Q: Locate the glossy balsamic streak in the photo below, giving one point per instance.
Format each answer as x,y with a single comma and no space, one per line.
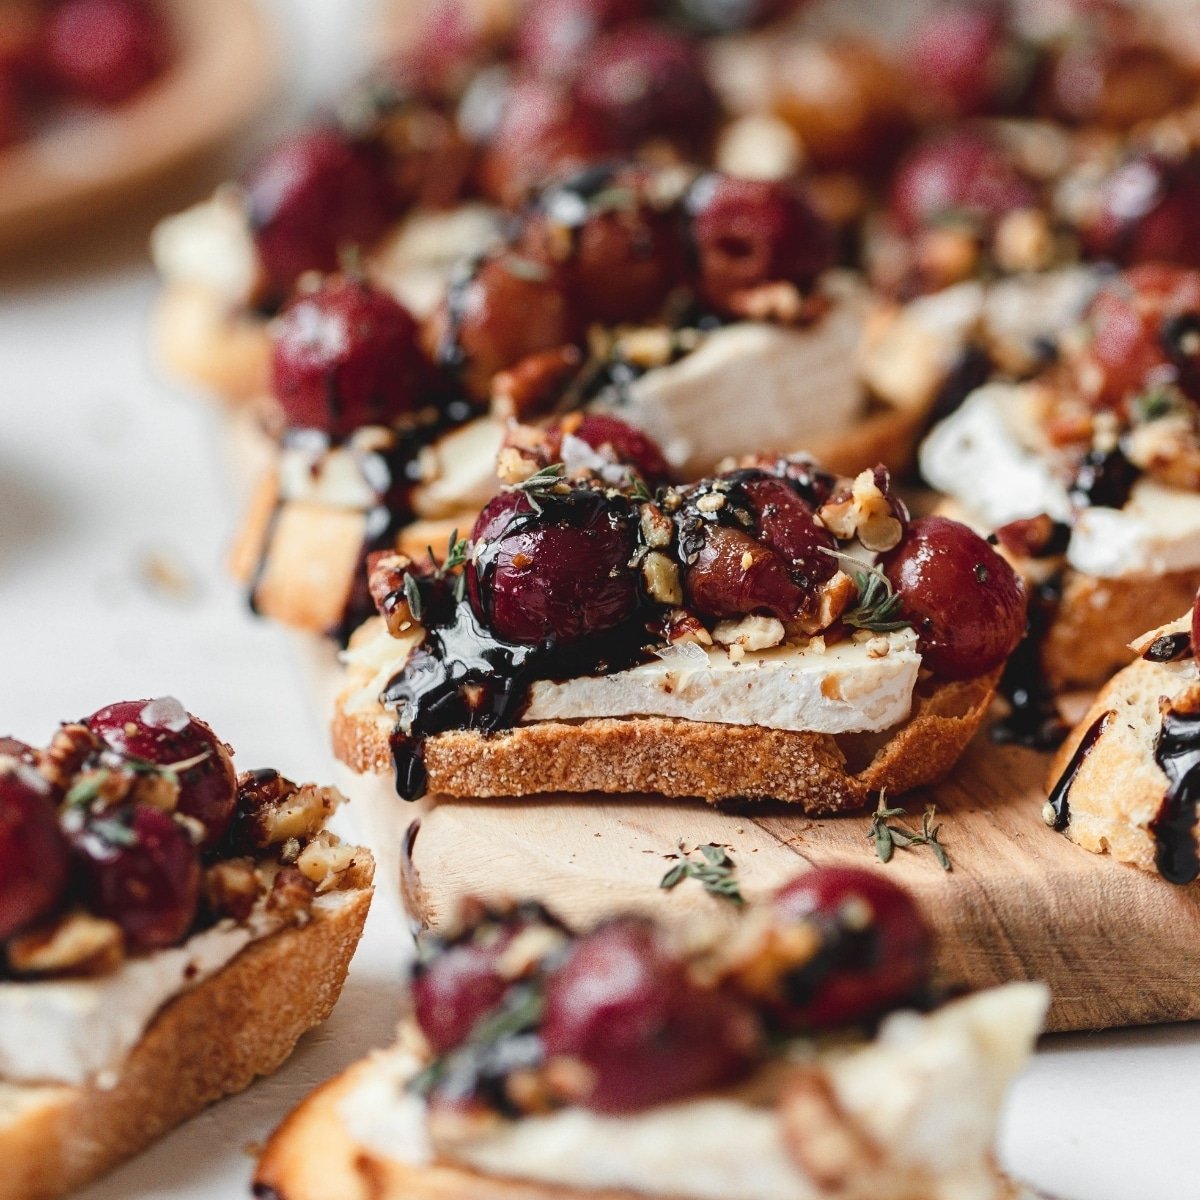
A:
1171,647
1034,719
1177,752
1060,797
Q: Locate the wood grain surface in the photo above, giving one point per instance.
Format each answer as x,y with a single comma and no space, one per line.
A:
1117,946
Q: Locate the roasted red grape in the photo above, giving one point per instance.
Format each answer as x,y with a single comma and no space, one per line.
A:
162,732
876,951
754,232
33,852
1139,324
346,355
136,866
645,81
625,1008
543,131
962,174
613,439
787,524
510,308
556,36
622,255
313,196
735,575
1147,210
561,574
965,602
961,53
105,50
463,981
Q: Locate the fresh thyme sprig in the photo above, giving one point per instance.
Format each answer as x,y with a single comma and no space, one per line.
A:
457,552
715,873
878,607
540,483
89,786
888,836
641,492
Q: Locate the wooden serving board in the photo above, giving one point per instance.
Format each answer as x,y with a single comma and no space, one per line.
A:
1118,946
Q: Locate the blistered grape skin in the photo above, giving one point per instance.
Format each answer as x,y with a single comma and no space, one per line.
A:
880,947
965,602
146,879
207,788
625,1008
33,851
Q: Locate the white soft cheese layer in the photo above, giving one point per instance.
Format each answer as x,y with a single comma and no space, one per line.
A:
749,387
72,1030
976,457
849,687
209,246
927,1091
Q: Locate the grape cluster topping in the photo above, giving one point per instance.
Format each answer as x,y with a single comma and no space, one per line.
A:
521,1015
584,571
611,246
131,831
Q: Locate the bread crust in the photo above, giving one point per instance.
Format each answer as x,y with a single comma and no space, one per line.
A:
312,1156
672,757
1098,618
205,1044
198,339
1119,788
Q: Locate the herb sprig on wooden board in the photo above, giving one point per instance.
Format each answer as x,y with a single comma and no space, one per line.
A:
715,872
887,834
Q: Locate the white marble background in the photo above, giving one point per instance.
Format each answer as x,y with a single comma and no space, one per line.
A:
107,474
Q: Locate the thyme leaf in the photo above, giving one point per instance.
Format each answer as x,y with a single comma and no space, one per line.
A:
715,873
412,593
878,607
888,836
641,492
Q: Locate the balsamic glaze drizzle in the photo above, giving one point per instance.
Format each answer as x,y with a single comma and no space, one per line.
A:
1171,647
1033,719
1177,752
464,677
1060,798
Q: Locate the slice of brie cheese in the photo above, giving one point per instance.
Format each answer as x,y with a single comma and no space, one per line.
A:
974,455
209,246
70,1031
1157,532
927,1092
747,388
849,687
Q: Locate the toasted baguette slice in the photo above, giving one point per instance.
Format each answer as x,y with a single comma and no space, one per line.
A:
841,1152
672,757
199,340
205,1044
1097,620
1119,789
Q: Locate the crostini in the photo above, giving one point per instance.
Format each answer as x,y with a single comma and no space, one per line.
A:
1087,473
168,931
770,631
803,1056
1125,782
660,297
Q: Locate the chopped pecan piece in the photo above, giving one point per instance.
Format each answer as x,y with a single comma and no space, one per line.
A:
326,861
232,888
76,943
69,749
531,387
291,896
386,574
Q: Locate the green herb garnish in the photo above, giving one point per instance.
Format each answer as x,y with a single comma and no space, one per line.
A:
878,607
888,836
715,873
